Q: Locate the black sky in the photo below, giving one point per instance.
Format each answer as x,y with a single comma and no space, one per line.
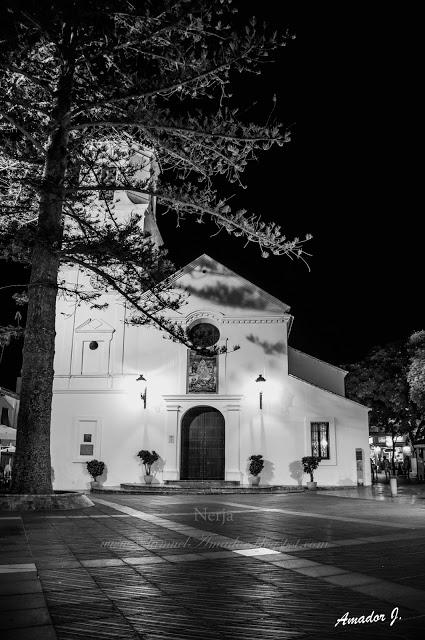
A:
351,82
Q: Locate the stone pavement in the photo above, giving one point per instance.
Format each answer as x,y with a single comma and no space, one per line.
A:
409,492
215,567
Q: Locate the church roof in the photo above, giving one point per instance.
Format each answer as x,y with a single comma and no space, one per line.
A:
205,264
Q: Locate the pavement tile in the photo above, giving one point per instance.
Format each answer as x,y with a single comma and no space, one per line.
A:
17,586
104,562
17,568
186,557
138,584
113,627
144,560
407,597
217,555
295,563
21,601
43,632
24,618
81,611
351,580
319,571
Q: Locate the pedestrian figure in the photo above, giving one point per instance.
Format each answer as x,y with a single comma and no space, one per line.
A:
373,470
406,467
386,468
7,474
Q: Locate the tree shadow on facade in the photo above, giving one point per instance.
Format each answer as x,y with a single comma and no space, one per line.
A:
296,471
269,348
241,297
267,473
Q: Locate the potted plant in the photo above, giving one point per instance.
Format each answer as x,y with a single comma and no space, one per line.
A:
310,464
148,460
255,468
95,469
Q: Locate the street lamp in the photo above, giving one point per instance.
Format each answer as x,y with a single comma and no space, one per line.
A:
261,380
143,395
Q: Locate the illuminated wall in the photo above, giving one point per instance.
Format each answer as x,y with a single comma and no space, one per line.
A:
97,406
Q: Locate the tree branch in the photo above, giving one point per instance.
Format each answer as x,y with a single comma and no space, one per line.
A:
146,125
13,286
172,87
112,282
34,79
26,133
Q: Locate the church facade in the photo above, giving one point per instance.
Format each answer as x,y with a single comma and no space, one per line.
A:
120,388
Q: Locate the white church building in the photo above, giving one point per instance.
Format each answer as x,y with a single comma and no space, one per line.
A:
204,416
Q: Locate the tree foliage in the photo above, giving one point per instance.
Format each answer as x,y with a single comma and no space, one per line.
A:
416,371
101,96
150,76
388,381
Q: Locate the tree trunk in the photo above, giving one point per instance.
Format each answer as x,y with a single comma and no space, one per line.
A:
32,470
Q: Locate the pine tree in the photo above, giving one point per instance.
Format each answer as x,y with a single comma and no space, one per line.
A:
88,89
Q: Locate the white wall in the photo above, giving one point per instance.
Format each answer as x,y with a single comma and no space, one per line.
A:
244,316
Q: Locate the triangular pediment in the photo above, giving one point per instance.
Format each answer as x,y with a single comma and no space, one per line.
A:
207,280
94,325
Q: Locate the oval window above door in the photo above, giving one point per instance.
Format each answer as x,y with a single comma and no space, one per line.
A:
204,334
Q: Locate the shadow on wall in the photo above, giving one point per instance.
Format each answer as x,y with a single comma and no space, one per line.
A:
296,471
240,297
158,467
267,473
269,348
104,475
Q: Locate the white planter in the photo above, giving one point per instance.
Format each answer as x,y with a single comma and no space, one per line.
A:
393,486
312,486
255,481
95,484
148,479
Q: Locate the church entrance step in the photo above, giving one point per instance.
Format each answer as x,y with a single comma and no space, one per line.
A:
201,483
167,489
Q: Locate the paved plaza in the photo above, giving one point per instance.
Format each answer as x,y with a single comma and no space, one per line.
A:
215,567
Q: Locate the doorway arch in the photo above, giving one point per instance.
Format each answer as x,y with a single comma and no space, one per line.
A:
202,444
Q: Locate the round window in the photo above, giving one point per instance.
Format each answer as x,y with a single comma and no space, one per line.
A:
93,345
204,334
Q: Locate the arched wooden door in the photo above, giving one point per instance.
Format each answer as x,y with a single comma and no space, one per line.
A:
202,445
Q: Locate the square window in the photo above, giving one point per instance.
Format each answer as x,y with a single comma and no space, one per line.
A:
320,440
86,449
87,437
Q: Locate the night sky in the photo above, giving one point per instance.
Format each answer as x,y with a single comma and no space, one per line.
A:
349,178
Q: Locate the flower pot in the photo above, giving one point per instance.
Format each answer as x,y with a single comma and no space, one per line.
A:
312,486
148,479
255,481
94,484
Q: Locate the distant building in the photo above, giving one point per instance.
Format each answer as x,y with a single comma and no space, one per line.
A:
9,405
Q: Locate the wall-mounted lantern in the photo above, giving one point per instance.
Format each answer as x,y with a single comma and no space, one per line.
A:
261,380
143,395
